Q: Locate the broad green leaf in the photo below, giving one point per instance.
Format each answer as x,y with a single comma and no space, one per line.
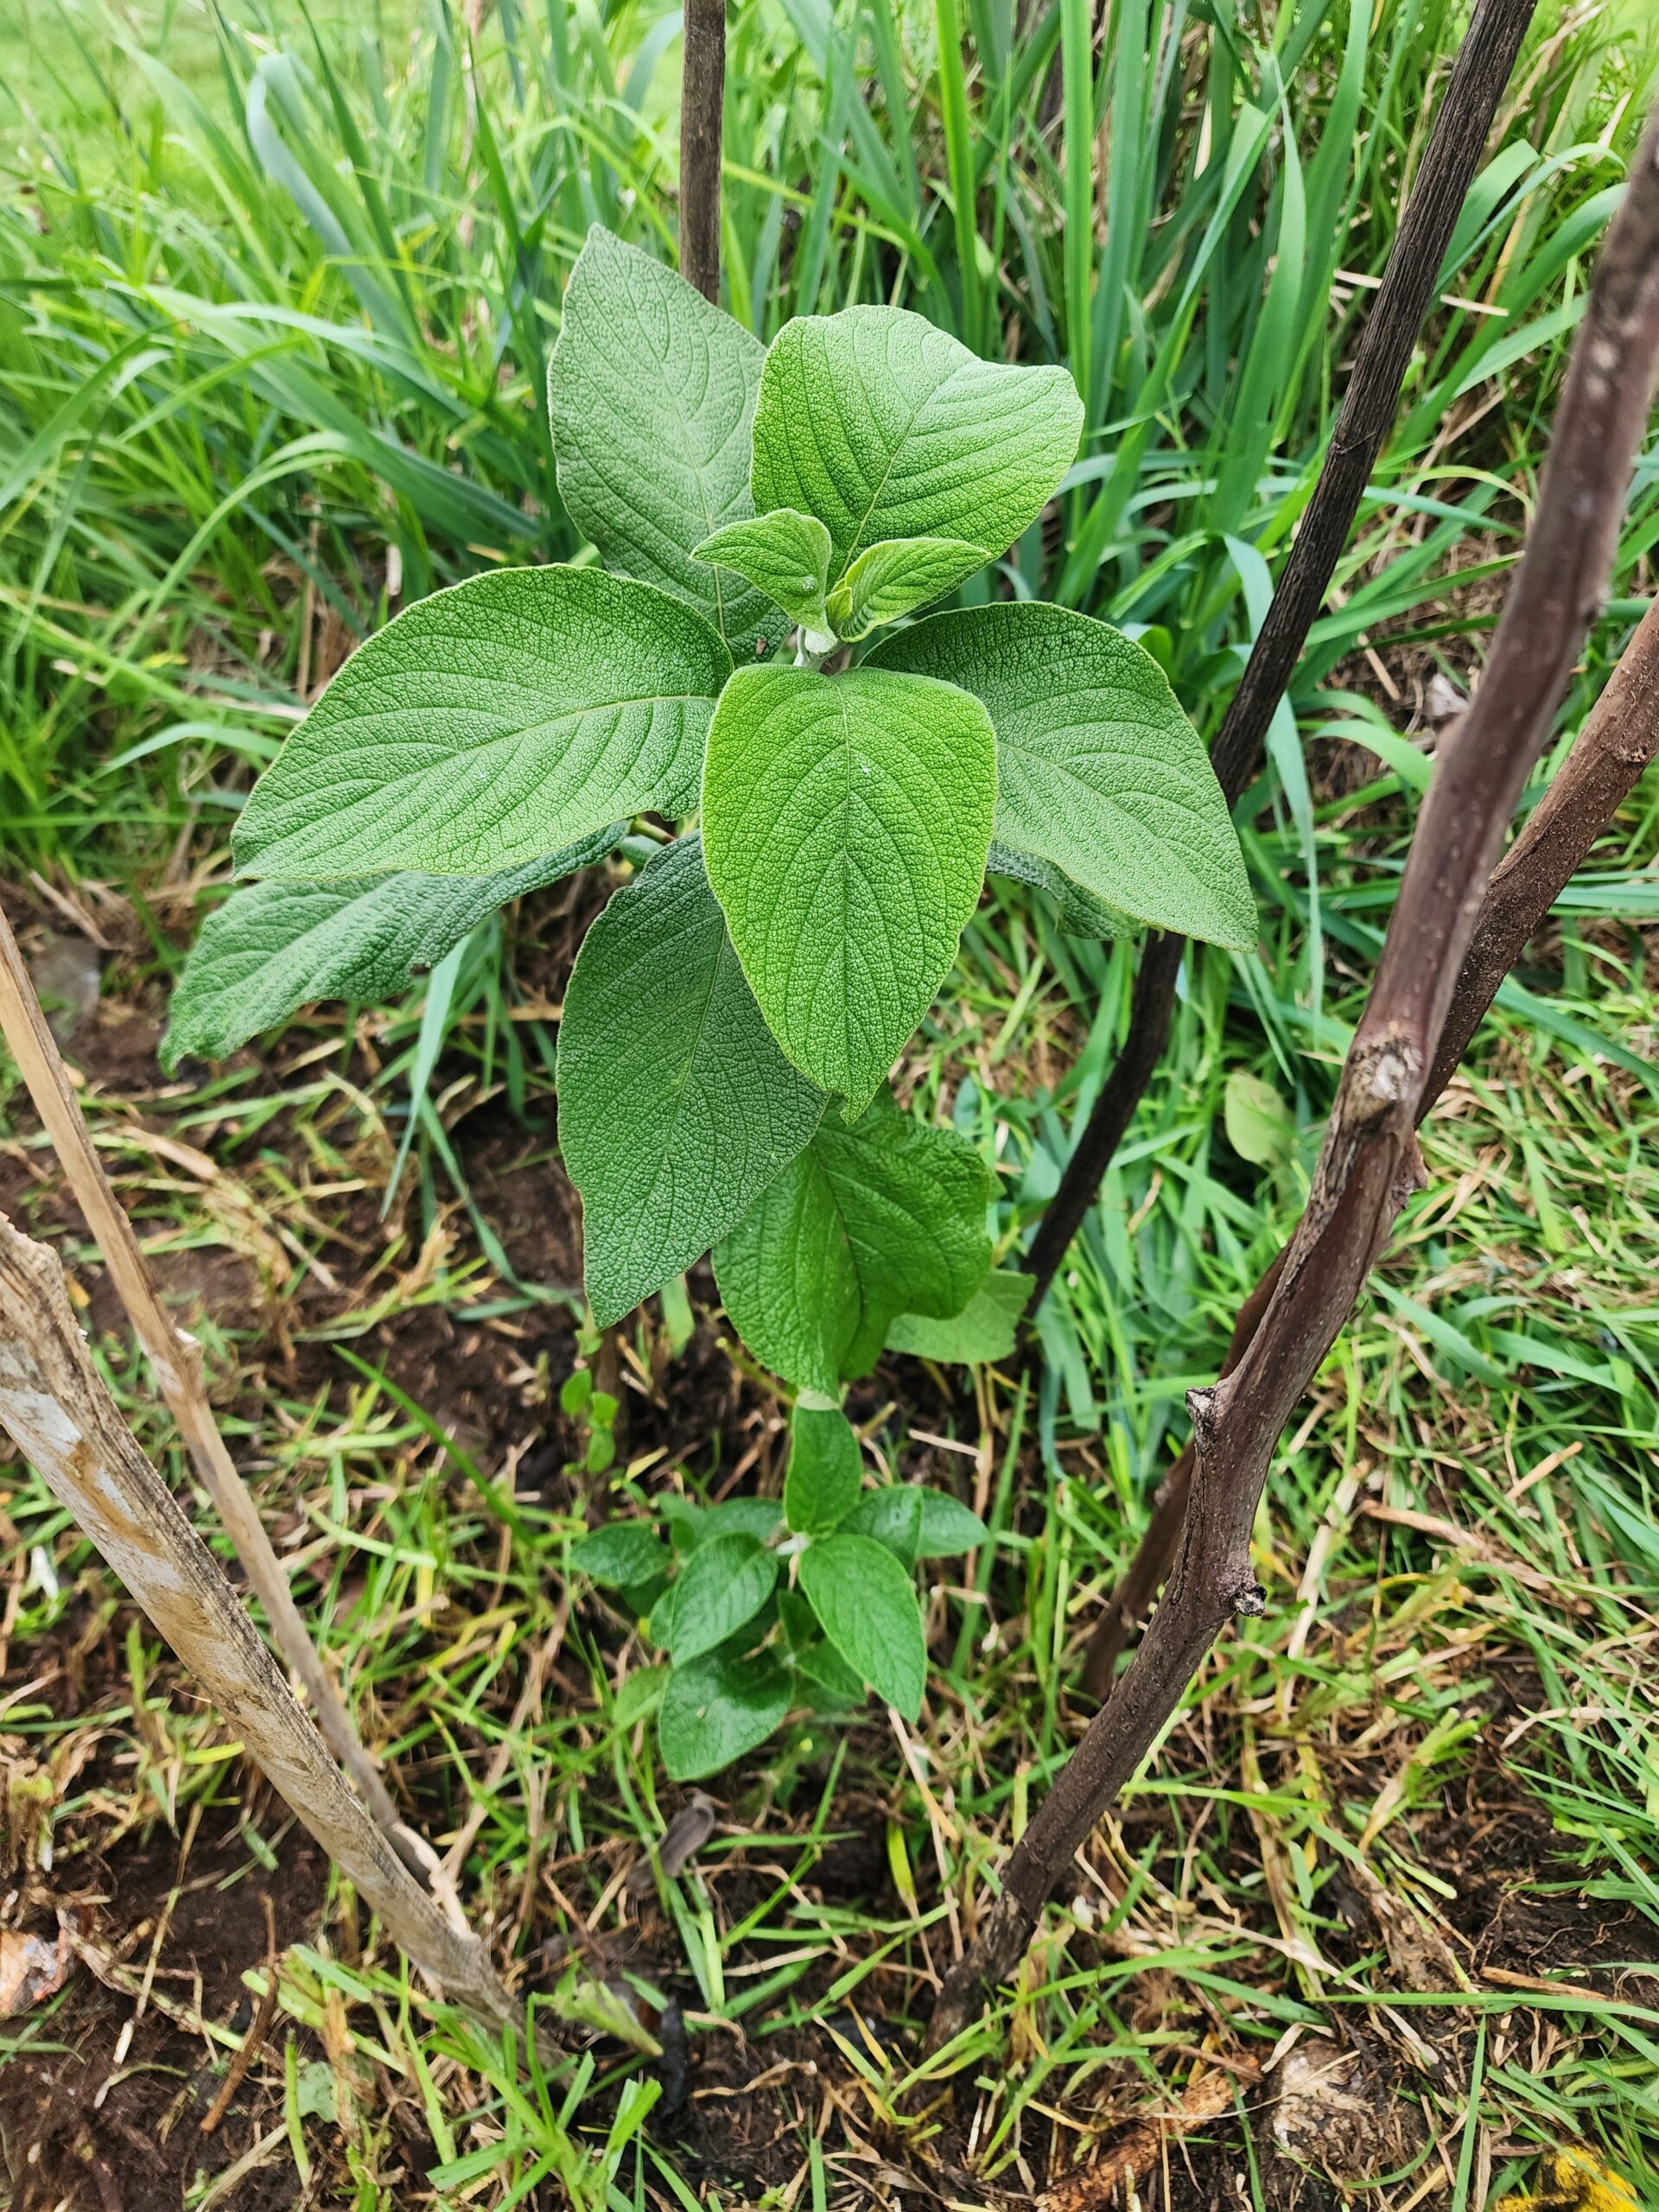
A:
786,554
884,426
845,824
884,1217
984,1329
651,395
715,1709
1081,914
865,1600
723,1584
676,1107
272,947
754,1516
622,1555
887,580
892,1514
825,1469
683,1519
822,1666
915,1522
1098,770
1260,1127
490,724
660,1627
948,1526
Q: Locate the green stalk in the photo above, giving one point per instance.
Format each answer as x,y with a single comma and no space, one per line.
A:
959,161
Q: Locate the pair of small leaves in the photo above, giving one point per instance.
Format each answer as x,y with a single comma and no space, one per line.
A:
886,429
822,1492
787,555
856,1578
889,464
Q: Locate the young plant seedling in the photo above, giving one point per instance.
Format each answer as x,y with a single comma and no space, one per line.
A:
735,1011
763,1608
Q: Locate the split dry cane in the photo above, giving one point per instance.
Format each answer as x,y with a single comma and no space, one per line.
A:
60,1414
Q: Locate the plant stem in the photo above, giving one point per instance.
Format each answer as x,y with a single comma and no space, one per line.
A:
1369,1162
175,1359
62,1418
1409,283
702,92
1618,740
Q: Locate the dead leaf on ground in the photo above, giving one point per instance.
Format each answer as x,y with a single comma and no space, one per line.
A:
684,1836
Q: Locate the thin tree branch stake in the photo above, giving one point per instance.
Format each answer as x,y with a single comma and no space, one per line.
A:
1409,283
703,90
176,1360
1368,1163
61,1417
1619,739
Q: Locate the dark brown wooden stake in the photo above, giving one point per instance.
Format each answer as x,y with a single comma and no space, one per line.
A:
1369,1162
1409,282
1619,739
702,91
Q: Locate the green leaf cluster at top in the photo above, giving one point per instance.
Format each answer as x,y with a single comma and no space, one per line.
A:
735,1011
763,1607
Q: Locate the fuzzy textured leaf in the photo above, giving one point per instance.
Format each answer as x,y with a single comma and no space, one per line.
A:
1098,770
825,1469
676,1107
715,1709
786,554
892,1514
489,724
884,426
622,1555
868,1605
984,1329
272,947
1081,914
723,1584
846,821
888,579
915,1522
884,1217
651,395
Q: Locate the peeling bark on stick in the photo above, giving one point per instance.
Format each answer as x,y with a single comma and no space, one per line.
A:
1369,1162
175,1360
58,1412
